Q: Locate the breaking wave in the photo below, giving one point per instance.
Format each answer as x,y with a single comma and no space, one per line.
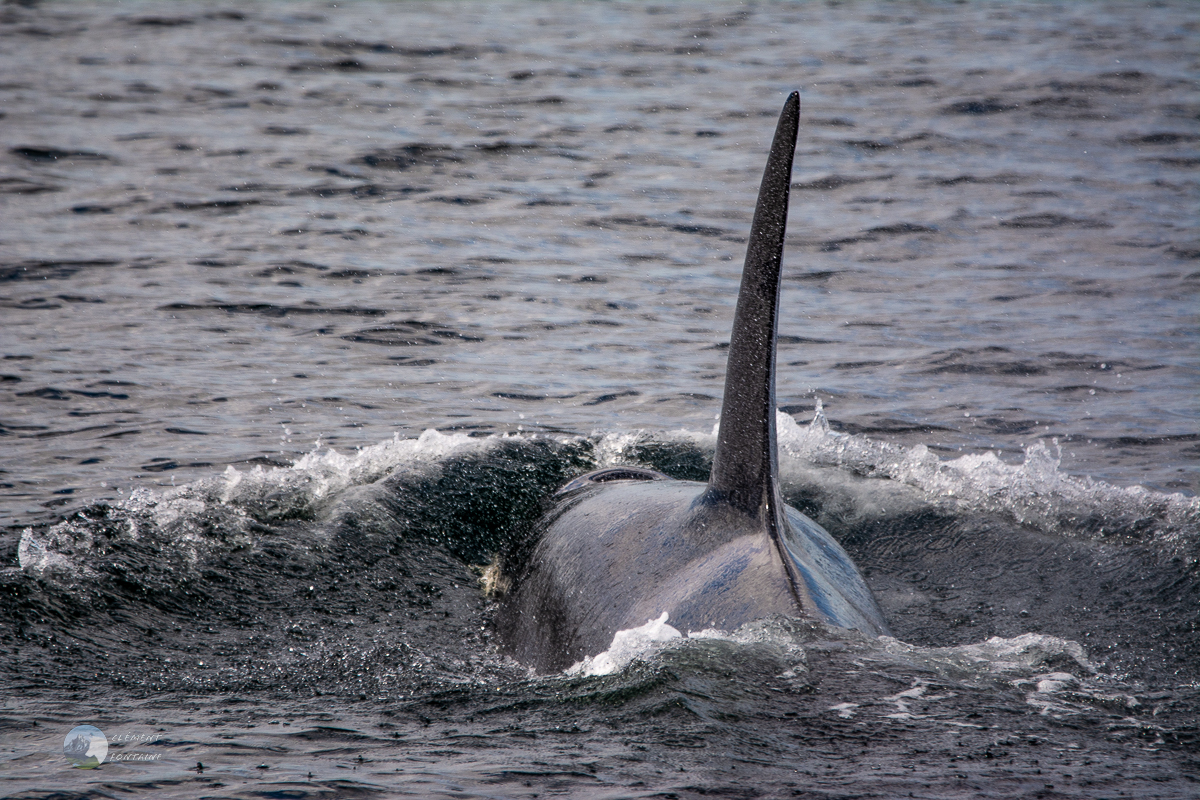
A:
223,510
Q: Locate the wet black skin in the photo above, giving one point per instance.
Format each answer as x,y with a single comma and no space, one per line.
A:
622,545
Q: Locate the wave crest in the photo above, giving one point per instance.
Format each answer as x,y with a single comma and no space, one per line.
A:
1035,493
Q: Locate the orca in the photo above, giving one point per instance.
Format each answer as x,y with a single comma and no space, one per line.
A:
619,546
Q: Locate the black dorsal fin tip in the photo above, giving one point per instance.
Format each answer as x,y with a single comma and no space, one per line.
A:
745,466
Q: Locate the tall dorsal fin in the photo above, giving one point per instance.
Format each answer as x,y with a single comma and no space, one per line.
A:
745,467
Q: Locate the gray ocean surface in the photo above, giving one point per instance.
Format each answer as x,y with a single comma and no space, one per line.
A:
305,308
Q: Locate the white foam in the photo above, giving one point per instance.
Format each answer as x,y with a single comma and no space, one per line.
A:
627,646
38,555
220,511
1056,682
1035,493
996,656
613,448
1019,661
648,640
845,710
318,475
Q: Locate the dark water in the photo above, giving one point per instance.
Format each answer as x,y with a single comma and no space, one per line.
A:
307,307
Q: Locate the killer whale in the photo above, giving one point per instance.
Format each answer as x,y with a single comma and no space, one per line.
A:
619,546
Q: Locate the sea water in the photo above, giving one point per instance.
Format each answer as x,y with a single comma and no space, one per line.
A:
307,307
